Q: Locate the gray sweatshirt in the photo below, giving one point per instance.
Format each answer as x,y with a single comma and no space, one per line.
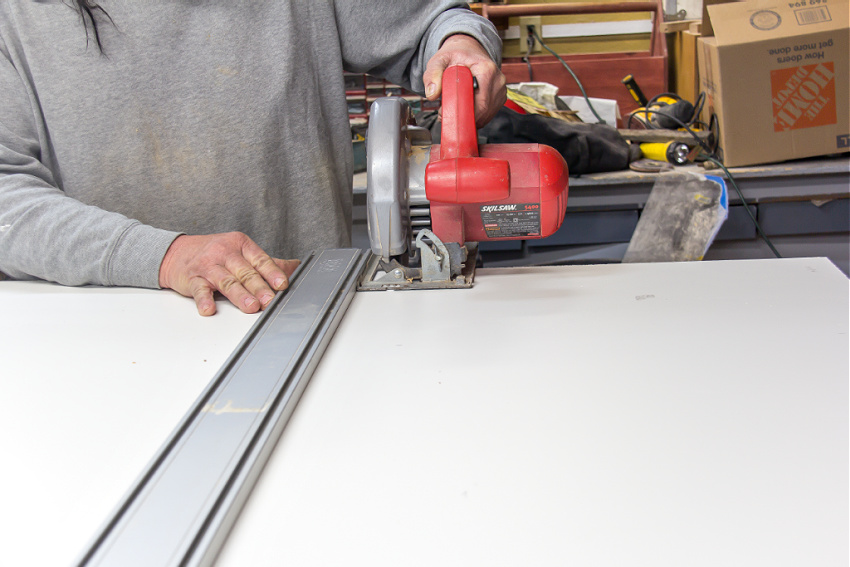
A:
197,118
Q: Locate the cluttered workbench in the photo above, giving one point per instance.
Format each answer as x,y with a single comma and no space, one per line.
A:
619,414
778,120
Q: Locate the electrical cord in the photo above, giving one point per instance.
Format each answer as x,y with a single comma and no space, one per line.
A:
533,32
647,110
699,104
529,42
687,126
746,206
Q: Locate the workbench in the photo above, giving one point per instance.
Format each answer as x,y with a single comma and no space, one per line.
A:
629,414
803,205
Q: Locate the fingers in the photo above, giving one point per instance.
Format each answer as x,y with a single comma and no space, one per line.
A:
491,94
288,267
202,293
245,284
266,267
465,50
231,263
258,275
242,286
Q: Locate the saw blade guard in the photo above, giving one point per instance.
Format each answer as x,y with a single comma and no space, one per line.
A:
388,211
397,153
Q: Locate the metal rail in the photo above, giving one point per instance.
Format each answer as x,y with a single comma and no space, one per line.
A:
183,506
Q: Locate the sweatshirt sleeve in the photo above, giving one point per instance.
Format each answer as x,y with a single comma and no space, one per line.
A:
395,40
45,234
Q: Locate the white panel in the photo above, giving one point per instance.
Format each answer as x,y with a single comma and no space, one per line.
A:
658,415
639,414
92,381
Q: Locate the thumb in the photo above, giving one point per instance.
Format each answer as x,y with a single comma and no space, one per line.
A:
433,76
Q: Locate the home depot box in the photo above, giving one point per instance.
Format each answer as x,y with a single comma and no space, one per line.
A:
776,76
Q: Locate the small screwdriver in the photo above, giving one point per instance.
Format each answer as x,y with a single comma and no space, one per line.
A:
632,86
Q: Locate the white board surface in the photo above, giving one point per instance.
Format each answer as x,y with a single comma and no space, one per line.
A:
661,415
664,415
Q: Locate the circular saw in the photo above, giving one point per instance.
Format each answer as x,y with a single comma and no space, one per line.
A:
429,205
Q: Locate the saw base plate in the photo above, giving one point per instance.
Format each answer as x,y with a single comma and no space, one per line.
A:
380,276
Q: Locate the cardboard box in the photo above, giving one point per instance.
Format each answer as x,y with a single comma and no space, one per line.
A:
776,74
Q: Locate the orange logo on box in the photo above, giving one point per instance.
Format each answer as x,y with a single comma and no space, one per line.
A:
803,97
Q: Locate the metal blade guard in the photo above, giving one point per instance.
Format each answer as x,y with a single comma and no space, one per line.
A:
429,205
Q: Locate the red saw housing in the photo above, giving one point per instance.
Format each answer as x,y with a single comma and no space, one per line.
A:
497,191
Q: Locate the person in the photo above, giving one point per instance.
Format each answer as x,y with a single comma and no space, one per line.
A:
197,147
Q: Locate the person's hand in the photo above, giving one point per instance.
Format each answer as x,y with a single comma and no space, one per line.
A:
465,50
232,263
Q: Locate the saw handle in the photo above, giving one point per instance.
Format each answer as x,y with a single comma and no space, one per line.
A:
460,176
458,137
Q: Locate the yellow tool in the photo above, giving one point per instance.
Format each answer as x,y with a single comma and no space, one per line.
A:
665,111
676,153
634,89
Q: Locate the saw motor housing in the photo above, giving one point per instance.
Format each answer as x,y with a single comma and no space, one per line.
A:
429,203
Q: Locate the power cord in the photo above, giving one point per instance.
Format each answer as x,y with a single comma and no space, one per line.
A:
529,42
533,32
746,206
